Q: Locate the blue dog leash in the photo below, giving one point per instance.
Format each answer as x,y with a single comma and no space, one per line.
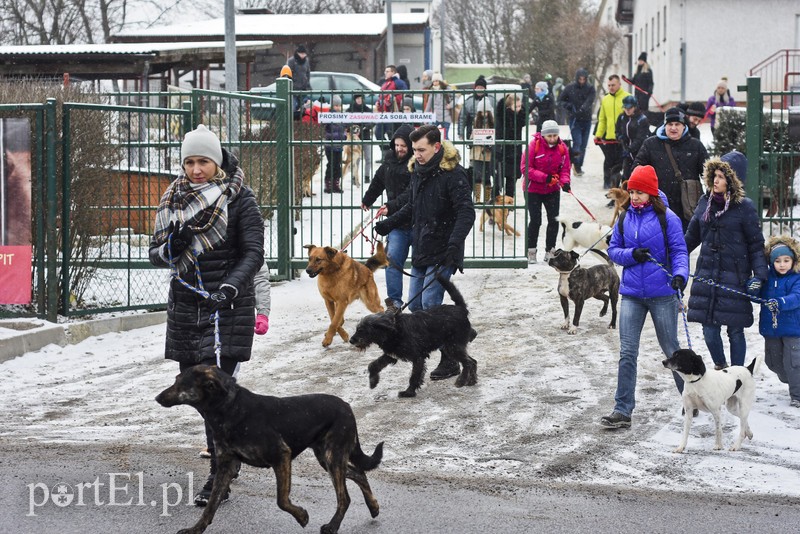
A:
200,290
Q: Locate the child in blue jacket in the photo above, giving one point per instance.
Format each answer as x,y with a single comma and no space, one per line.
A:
782,341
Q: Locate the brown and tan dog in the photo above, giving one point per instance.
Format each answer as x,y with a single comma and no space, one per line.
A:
620,196
351,159
500,215
343,280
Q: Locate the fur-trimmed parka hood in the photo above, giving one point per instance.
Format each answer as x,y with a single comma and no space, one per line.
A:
449,160
790,242
735,185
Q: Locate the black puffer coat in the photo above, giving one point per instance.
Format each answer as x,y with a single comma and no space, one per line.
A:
440,208
392,176
190,333
731,252
508,126
690,156
577,99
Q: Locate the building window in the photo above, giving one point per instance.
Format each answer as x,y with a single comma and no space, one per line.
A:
665,23
644,43
658,28
653,34
417,10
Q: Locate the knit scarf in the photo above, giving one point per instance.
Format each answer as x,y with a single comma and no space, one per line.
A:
719,202
203,207
432,164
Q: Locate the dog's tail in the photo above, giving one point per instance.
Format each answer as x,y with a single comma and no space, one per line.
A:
458,300
603,255
364,462
755,364
379,260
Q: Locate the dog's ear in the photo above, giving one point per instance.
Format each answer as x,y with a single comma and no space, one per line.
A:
215,382
624,186
309,248
331,252
574,255
576,225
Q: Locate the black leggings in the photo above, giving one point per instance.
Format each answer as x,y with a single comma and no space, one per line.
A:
228,366
552,204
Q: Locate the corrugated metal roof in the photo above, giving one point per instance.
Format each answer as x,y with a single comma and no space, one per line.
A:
126,48
286,25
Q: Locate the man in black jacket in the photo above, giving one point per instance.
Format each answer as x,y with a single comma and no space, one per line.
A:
441,212
300,64
577,99
392,178
632,129
688,153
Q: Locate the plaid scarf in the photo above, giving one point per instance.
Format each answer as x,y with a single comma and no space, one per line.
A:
203,207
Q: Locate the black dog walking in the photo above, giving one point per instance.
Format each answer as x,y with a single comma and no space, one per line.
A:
412,336
265,431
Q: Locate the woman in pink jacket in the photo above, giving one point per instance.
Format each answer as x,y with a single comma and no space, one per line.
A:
545,165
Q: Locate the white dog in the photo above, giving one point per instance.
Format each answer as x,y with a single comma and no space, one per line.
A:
584,234
708,390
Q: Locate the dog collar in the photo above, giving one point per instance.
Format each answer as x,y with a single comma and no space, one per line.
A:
698,380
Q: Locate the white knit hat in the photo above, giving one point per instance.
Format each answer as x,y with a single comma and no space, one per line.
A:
202,142
550,127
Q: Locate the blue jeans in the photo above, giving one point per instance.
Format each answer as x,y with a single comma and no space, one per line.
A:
446,126
713,336
397,250
433,294
580,130
632,313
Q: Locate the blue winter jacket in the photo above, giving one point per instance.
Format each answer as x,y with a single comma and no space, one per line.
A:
786,290
643,229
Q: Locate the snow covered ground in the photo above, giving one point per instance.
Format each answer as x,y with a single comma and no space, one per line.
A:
532,417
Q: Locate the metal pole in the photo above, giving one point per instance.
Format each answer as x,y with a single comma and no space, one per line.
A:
51,193
389,34
231,82
441,37
753,140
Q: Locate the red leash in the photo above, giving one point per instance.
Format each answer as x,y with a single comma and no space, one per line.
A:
626,80
583,206
361,232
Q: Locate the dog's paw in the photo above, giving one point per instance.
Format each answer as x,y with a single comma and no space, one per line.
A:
678,450
572,330
407,394
565,325
612,327
734,448
717,447
373,380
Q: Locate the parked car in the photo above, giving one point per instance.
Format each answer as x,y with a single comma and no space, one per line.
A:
324,85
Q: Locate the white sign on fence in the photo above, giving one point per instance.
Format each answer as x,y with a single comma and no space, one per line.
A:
483,136
358,118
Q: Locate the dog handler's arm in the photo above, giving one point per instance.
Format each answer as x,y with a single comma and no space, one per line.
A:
376,187
250,243
678,253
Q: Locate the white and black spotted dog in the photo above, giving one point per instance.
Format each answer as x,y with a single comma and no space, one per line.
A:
708,389
585,234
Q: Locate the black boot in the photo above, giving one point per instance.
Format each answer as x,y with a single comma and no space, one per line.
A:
447,368
202,496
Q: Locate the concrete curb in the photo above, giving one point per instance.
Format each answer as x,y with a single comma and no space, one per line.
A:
70,334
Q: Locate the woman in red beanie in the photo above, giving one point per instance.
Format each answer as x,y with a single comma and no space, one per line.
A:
646,230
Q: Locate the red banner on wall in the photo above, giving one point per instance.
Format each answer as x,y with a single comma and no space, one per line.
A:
15,275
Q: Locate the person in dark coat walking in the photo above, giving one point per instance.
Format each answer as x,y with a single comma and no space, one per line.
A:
577,99
689,153
726,227
643,80
543,103
632,129
300,64
509,121
392,178
208,213
441,213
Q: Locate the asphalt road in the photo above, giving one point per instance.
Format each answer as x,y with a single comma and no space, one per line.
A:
151,491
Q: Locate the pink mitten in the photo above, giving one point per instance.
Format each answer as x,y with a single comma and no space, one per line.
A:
262,324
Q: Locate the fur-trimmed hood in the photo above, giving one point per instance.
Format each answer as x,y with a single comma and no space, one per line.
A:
790,242
449,160
735,185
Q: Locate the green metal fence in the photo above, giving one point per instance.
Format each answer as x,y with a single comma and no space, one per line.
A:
772,141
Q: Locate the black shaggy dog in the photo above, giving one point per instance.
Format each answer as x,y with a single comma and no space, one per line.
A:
265,431
412,336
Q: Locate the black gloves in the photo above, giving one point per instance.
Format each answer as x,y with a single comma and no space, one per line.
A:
678,283
180,238
566,188
641,254
382,227
222,298
450,256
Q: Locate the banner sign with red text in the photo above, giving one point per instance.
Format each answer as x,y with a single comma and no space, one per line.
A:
15,211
